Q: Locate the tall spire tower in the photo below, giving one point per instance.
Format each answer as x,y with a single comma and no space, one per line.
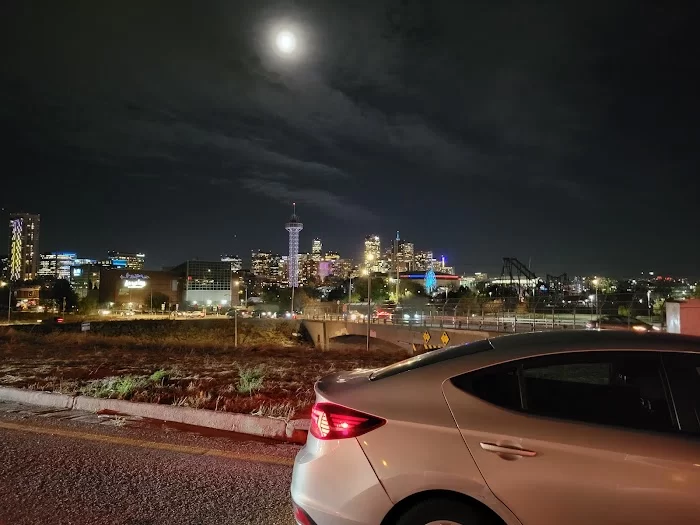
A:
294,226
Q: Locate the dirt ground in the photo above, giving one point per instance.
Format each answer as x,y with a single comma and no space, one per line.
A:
265,379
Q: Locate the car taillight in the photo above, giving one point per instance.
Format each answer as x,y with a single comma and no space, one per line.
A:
301,517
329,421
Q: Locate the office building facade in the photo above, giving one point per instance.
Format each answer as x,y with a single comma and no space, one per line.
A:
372,255
205,283
127,290
23,250
125,260
56,265
235,260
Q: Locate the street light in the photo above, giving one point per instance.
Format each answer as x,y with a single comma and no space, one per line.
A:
9,298
595,283
370,258
238,300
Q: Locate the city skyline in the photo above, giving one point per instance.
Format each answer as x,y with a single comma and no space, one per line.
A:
137,260
164,261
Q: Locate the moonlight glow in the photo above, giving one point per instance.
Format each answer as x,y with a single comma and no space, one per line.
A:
286,42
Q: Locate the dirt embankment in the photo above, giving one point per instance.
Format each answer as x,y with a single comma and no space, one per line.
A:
269,374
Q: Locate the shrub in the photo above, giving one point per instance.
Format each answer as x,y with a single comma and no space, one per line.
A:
250,380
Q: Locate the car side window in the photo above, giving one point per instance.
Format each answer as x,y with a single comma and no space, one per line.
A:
609,388
591,373
497,385
684,377
622,389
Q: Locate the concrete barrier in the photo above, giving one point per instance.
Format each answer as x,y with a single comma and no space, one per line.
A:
294,431
323,332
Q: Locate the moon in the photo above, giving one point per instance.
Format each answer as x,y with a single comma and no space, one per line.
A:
286,42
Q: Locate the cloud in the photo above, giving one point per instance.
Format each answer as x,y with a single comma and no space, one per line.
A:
331,203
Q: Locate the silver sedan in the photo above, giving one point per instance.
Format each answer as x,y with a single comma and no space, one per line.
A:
537,429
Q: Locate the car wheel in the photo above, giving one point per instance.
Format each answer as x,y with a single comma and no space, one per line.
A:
442,512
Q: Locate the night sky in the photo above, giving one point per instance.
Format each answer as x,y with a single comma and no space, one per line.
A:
564,132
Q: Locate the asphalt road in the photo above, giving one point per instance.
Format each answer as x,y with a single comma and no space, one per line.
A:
62,467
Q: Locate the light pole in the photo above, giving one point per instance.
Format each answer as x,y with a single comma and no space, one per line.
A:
369,304
238,291
596,282
349,294
9,298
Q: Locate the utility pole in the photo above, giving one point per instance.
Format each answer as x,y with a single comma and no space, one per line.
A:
235,328
369,305
396,265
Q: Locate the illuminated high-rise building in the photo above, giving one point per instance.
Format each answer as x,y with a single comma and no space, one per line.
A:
316,250
56,265
423,261
260,263
372,253
293,226
125,260
23,261
235,260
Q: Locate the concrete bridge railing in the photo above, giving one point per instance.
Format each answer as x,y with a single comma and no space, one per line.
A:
323,332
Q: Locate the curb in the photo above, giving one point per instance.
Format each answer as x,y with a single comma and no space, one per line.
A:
293,431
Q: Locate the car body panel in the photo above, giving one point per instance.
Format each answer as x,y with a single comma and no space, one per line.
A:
589,473
335,485
407,467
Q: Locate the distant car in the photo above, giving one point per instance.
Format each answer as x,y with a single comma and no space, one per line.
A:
620,322
382,314
549,428
242,314
56,320
127,313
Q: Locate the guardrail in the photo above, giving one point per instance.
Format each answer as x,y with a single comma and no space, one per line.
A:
489,323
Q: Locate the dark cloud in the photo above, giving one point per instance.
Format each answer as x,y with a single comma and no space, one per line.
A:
478,129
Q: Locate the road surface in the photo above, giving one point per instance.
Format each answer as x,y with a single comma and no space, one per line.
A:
63,467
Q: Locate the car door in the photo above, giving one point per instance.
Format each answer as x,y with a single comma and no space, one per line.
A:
580,438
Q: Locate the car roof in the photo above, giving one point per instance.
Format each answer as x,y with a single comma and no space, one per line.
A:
540,343
447,362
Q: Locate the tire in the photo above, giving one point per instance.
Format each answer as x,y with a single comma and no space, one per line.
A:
439,510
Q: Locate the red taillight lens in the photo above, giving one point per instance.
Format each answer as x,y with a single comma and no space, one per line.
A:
300,516
329,421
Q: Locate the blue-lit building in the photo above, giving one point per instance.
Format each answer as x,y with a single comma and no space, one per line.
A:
125,260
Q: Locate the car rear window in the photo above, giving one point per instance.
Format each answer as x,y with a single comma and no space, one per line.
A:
436,356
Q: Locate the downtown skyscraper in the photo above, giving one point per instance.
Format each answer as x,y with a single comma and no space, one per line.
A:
23,237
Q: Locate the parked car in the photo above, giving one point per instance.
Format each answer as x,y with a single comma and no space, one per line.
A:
546,428
620,322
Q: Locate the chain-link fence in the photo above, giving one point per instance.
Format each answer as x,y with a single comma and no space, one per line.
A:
507,314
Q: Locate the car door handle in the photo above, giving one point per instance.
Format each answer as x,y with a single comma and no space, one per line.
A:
511,451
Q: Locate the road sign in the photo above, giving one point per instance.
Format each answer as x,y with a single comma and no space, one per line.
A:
85,327
373,333
444,338
426,337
